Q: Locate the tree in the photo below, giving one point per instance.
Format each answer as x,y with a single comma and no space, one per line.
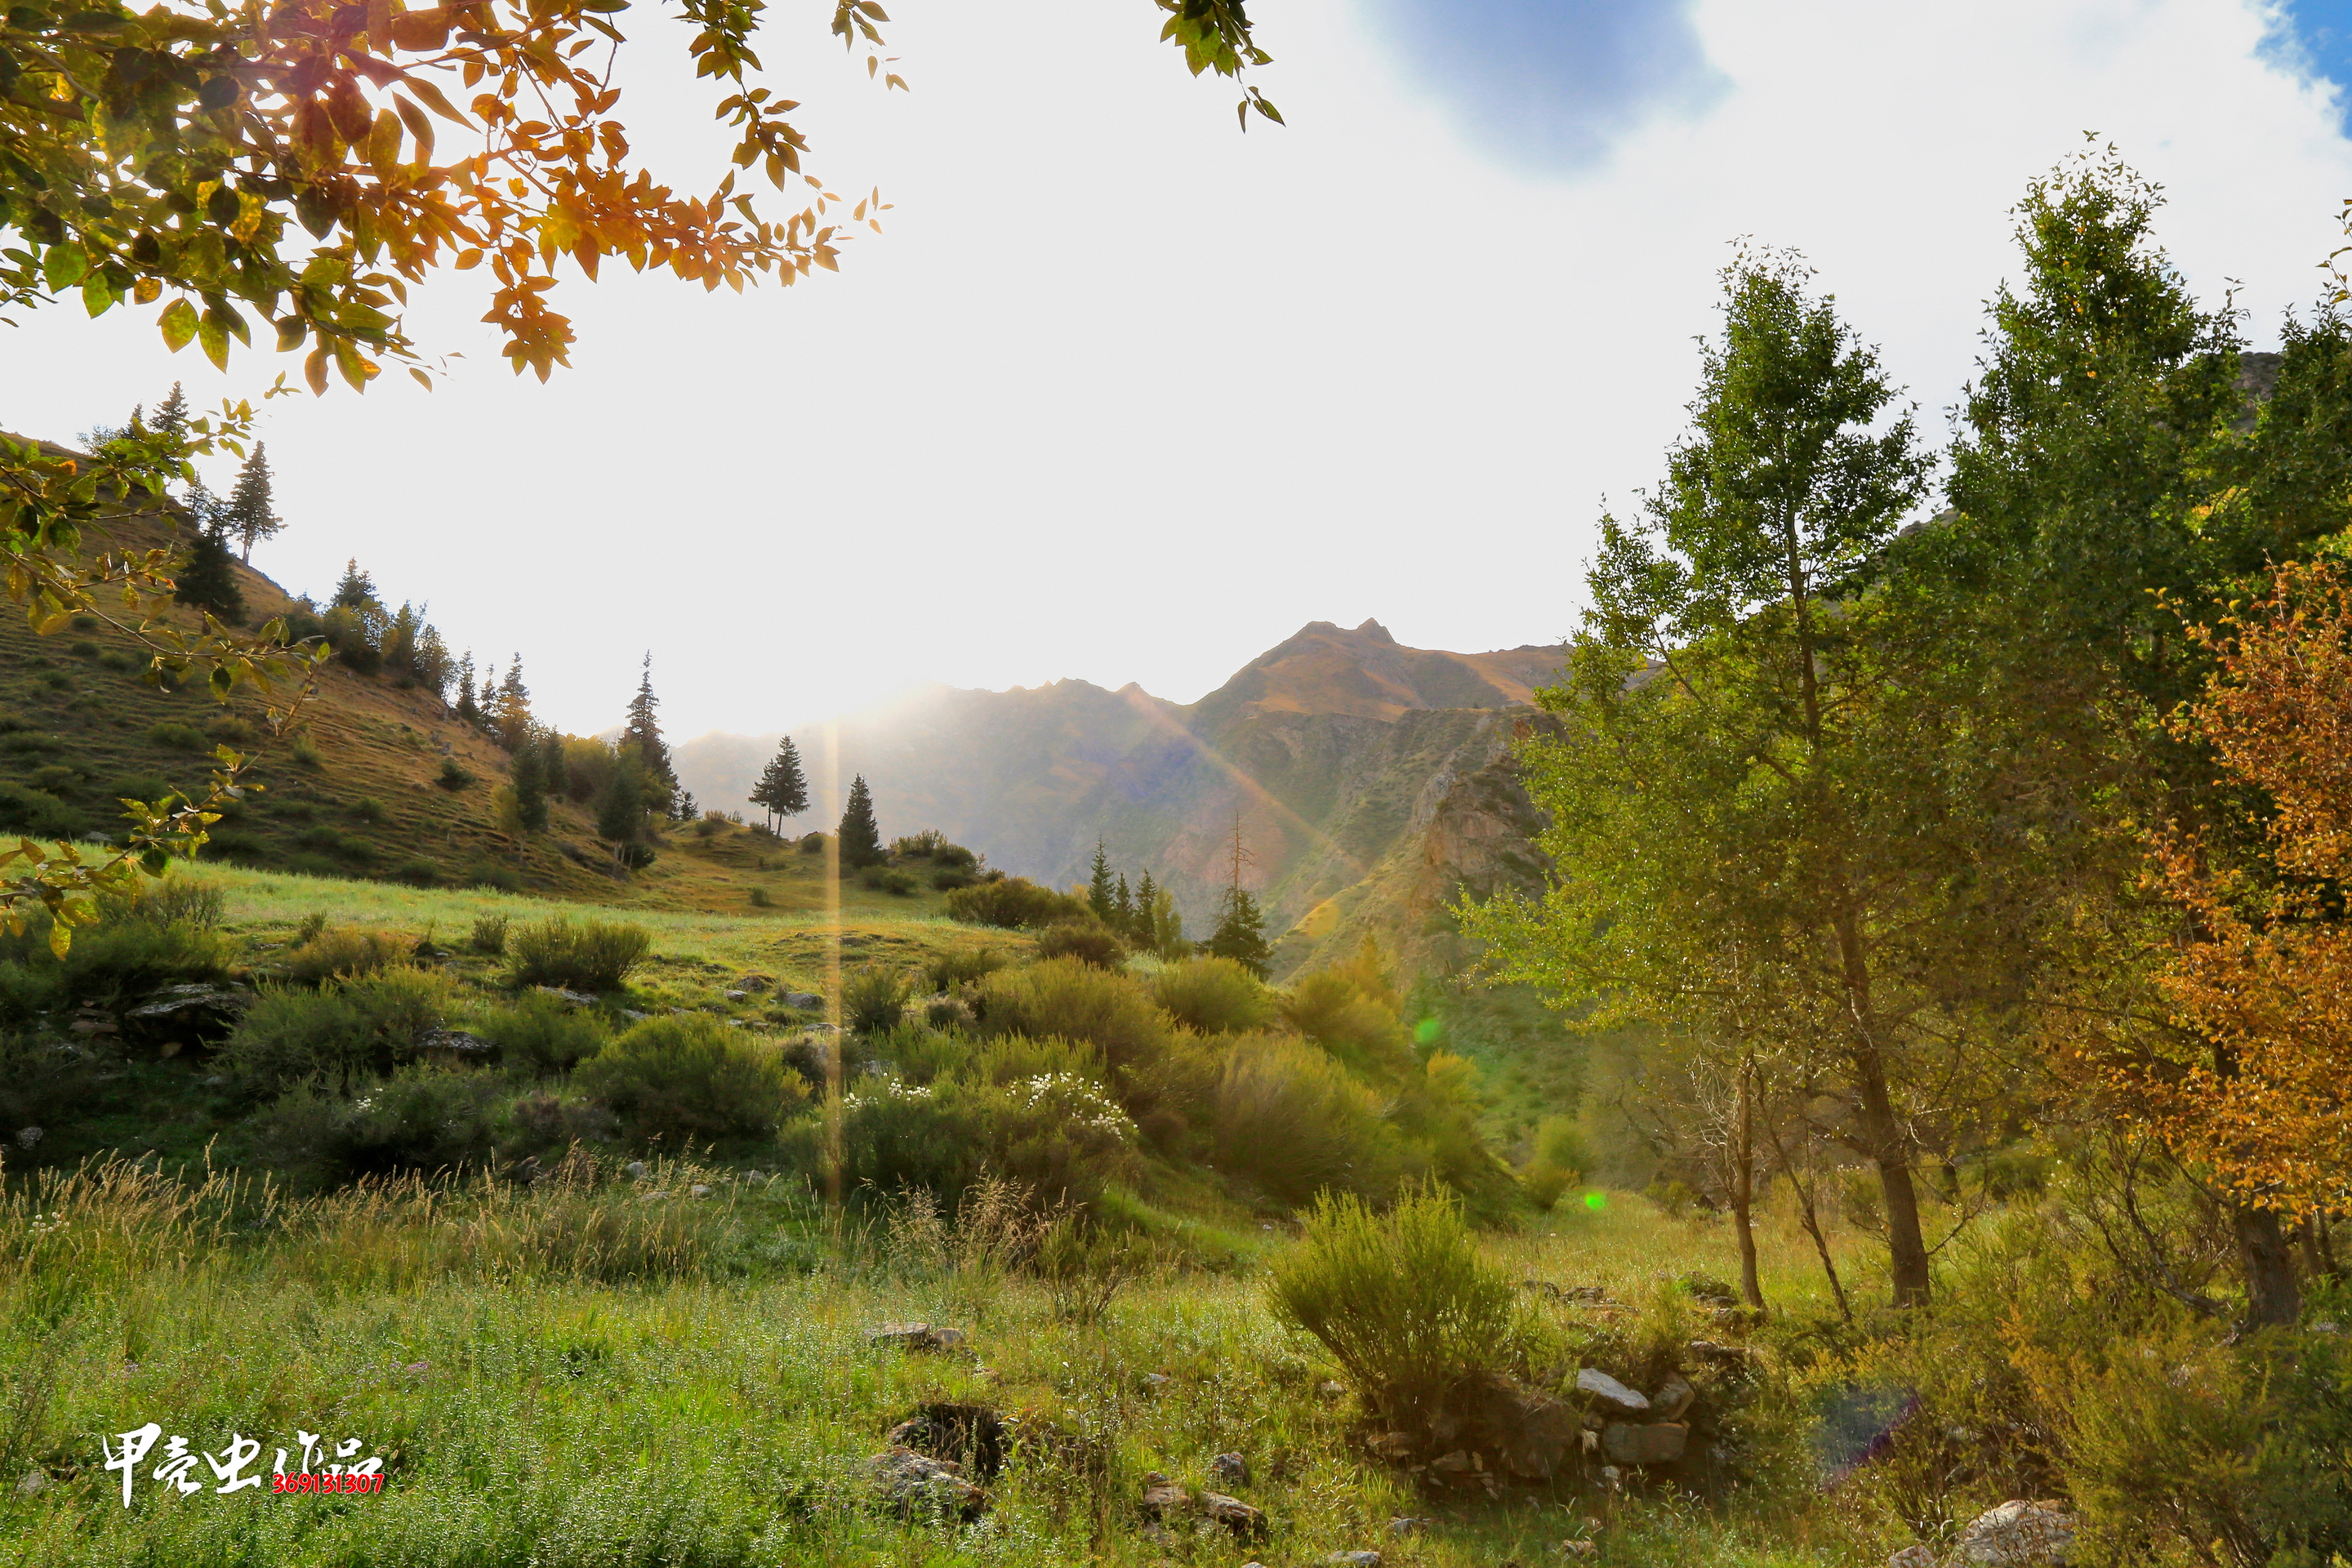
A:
208,581
1239,932
1122,909
1100,896
621,812
171,415
861,840
640,736
528,773
252,512
509,716
467,708
783,789
1144,931
553,763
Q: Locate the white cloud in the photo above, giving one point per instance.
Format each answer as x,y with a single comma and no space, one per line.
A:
1122,393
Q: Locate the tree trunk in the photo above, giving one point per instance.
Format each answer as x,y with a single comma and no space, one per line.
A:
2272,1298
1743,1189
1907,1244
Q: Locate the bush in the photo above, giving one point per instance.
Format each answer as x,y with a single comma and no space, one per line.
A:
425,1119
1215,995
596,955
1292,1120
950,879
919,845
418,872
1401,1300
304,754
37,814
339,1034
897,884
708,828
676,1081
539,1034
44,1083
488,936
1060,1135
873,998
813,844
947,971
1332,1010
342,951
178,737
1014,903
491,875
454,775
370,810
1061,996
1088,941
1558,1162
760,899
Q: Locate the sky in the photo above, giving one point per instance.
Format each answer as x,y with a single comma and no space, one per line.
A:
1123,394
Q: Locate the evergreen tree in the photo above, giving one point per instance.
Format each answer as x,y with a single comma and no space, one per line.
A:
170,415
1099,896
1144,929
356,591
432,664
510,715
209,580
1122,909
782,790
400,640
621,818
1240,933
861,840
683,809
552,766
642,735
529,773
467,709
251,513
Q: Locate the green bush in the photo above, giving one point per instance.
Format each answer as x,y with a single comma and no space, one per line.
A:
1014,903
370,810
339,1034
304,754
920,845
1290,1119
1061,1135
1088,941
491,875
424,1118
488,936
947,879
454,775
43,1083
178,737
540,1035
1402,1299
679,1081
1061,996
37,814
595,955
55,777
1332,1010
418,872
179,898
873,998
1215,995
343,951
947,971
1558,1162
813,844
897,884
760,899
82,650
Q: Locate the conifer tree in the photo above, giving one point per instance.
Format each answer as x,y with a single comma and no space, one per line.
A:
1122,907
432,664
252,515
1241,933
400,640
529,773
621,817
510,716
1099,896
208,581
1144,929
782,790
861,840
641,734
170,415
552,765
467,708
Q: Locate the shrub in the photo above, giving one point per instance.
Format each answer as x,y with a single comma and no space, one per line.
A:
37,814
179,900
919,845
425,1119
1215,995
596,955
491,875
43,1083
761,900
454,775
1088,941
1401,1300
1061,996
873,998
488,935
1013,902
418,872
1332,1010
82,650
304,754
897,884
339,1034
1060,1135
708,828
539,1034
342,951
868,875
55,777
1558,1162
178,737
370,810
681,1080
947,971
813,844
949,879
1293,1121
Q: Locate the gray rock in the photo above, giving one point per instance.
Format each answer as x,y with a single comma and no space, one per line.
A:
699,1190
634,1016
1332,1388
1155,1381
917,1337
1674,1399
1612,1393
30,1137
34,1481
1242,1522
1406,1524
577,998
635,1170
1354,1560
1229,1469
1644,1443
914,1483
456,1045
1914,1556
738,995
2017,1534
802,999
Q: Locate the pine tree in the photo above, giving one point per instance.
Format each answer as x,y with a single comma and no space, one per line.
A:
528,772
170,415
1144,931
621,818
783,789
642,735
552,765
510,716
1240,933
861,840
1100,896
251,514
467,709
683,809
356,591
400,640
1122,909
209,580
432,664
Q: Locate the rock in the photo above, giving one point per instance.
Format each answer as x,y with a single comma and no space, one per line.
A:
1333,1389
802,999
1229,1469
1405,1524
634,1016
1153,1382
657,1195
1394,1447
1612,1393
1457,1463
699,1190
1674,1399
1914,1556
756,982
755,1174
183,1014
972,1435
1242,1522
1354,1560
914,1483
1644,1443
1159,1535
30,1137
1534,1432
455,1046
2017,1534
635,1170
34,1481
1164,1499
738,995
914,1337
577,998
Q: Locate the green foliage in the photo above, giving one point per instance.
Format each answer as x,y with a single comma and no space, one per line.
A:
872,999
861,839
418,872
1067,999
422,1119
1401,1300
680,1081
542,1034
178,737
1014,903
488,935
1088,941
1558,1161
43,1083
305,755
1215,995
454,775
340,952
1239,934
1061,1135
339,1033
207,581
594,955
1331,1009
37,814
961,966
782,788
762,900
1294,1122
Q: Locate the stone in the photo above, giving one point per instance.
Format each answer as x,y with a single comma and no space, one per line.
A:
1612,1393
1333,1389
1644,1443
1672,1398
972,1435
1458,1462
1354,1560
1229,1469
756,982
699,1190
802,999
193,1012
1914,1556
1534,1432
1164,1499
34,1481
1579,1549
455,1046
738,995
1406,1524
1153,1382
577,998
914,1483
2017,1534
1238,1518
635,1170
634,1016
1392,1446
30,1137
916,1337
755,1174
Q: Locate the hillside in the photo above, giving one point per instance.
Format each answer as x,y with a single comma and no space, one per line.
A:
1372,782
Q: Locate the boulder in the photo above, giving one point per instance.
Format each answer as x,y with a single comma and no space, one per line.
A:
30,1137
1915,1556
972,1435
1242,1522
36,1481
917,1337
1405,1524
1672,1398
451,1045
1164,1499
1644,1443
802,999
1229,1469
635,1170
1612,1393
2017,1534
1354,1560
1533,1433
912,1484
756,983
187,1015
